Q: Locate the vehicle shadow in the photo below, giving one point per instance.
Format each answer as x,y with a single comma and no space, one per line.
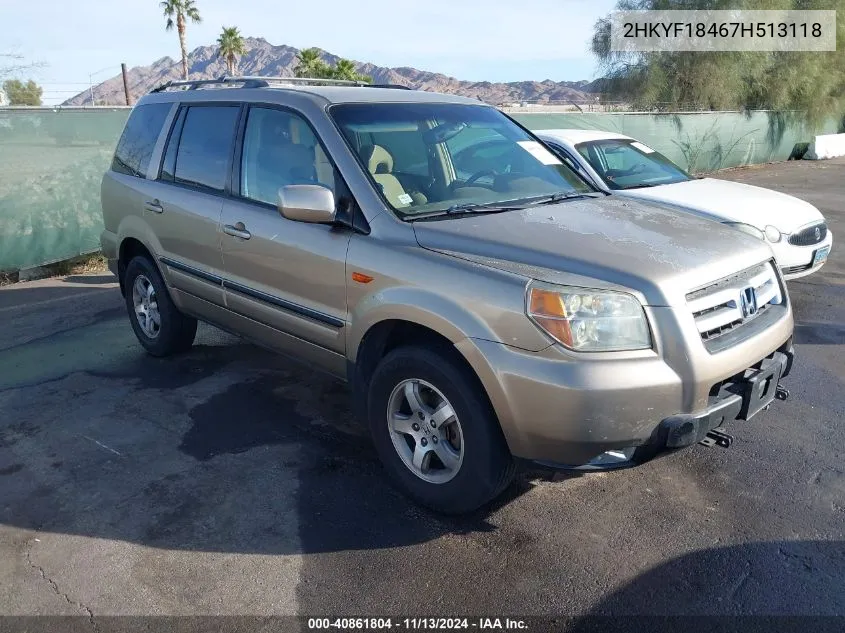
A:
767,580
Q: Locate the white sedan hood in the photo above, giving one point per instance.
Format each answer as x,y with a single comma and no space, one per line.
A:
734,201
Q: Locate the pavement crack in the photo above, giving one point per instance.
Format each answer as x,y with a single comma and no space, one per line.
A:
55,587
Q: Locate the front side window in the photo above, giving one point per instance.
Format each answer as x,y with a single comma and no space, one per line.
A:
139,137
280,149
202,158
627,164
427,158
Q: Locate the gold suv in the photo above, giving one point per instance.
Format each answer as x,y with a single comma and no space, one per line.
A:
485,303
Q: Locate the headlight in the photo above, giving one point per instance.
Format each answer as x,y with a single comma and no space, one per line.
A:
747,228
589,320
772,234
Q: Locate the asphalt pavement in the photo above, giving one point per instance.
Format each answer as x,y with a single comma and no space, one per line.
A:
231,481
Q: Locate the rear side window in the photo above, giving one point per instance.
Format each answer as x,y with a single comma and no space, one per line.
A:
139,137
205,145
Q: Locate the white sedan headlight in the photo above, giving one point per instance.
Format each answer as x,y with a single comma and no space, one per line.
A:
772,234
587,320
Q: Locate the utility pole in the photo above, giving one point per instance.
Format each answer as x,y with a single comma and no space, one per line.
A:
125,84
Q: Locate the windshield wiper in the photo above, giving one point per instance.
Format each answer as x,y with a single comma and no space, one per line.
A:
642,185
467,208
560,196
506,205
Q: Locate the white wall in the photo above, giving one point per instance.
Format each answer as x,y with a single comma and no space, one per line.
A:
826,146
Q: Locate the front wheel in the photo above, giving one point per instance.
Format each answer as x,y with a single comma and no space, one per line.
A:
436,432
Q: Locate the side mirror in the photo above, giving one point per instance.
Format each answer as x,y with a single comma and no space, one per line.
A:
307,203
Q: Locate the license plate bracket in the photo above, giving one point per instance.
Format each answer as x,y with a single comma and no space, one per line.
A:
760,388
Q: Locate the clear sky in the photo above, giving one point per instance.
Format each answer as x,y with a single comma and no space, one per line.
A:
476,40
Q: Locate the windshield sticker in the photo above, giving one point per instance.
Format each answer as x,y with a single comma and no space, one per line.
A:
404,198
643,148
539,152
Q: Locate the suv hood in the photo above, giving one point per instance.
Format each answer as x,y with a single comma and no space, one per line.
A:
735,201
606,242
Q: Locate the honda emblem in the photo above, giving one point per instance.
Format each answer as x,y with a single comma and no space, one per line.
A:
748,302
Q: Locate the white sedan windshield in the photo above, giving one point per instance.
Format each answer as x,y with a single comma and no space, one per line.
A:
627,164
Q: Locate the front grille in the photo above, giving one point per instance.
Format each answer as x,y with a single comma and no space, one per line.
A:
809,236
729,304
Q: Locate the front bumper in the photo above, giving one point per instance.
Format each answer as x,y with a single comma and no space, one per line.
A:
567,412
738,399
797,261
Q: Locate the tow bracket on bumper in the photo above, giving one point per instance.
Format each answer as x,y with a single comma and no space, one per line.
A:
742,400
720,437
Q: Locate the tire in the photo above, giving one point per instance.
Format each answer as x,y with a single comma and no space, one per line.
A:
175,332
484,467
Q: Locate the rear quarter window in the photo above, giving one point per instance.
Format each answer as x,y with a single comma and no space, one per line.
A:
139,137
205,146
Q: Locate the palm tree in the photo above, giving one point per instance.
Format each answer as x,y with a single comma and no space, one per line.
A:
345,69
182,10
231,44
310,65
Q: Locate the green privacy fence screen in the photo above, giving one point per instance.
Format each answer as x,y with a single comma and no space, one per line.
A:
52,160
51,164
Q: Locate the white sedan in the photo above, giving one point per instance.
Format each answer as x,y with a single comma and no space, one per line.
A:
615,163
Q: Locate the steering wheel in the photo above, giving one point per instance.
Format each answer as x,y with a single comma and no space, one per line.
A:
636,169
479,174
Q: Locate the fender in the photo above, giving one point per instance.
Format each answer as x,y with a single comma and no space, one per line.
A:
417,305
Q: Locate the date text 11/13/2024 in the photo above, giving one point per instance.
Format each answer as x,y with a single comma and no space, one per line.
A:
416,624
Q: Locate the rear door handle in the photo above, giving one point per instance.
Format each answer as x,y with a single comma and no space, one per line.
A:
237,230
154,206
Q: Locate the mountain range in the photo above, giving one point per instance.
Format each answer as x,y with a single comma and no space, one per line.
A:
265,59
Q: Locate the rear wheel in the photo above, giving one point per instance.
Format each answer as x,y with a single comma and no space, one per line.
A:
158,324
436,432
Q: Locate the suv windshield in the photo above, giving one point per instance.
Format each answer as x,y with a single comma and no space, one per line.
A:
628,164
428,158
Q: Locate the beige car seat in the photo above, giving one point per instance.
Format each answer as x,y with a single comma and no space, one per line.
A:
380,164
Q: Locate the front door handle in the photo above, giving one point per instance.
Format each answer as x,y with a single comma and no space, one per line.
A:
237,230
154,206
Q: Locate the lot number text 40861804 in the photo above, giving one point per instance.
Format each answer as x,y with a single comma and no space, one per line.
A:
417,624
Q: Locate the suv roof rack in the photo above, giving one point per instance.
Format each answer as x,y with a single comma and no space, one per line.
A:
266,82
